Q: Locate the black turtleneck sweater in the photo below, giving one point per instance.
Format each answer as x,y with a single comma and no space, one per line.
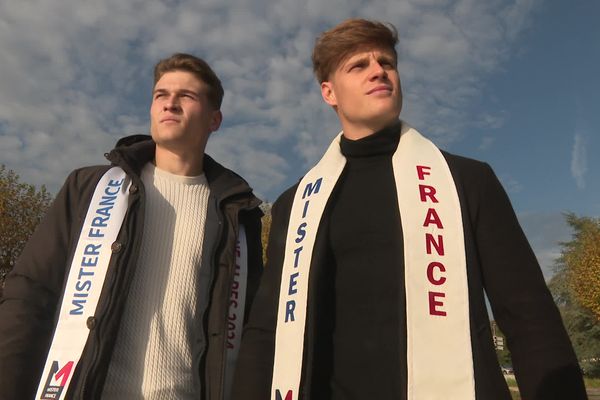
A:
367,302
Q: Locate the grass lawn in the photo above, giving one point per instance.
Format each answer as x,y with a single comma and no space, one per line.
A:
592,385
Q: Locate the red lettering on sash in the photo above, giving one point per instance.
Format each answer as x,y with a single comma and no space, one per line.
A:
435,270
421,172
430,276
288,396
432,218
434,304
439,245
64,373
427,191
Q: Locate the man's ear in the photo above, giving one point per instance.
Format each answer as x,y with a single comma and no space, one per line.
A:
328,93
216,120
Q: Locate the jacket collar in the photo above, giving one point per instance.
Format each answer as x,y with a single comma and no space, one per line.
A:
132,152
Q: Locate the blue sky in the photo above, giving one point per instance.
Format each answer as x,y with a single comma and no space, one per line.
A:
510,82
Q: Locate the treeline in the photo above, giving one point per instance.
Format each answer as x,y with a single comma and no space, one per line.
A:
22,207
576,289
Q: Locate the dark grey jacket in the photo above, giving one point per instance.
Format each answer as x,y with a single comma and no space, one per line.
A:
500,263
30,303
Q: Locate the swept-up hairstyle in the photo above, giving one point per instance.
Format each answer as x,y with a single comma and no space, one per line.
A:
336,45
196,66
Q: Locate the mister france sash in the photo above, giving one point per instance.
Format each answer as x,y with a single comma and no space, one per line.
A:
103,221
86,276
439,357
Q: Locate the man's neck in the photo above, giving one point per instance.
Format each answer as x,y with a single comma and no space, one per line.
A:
186,164
359,131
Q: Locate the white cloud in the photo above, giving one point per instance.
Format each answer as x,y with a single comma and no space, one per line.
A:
545,232
579,160
486,143
76,76
510,184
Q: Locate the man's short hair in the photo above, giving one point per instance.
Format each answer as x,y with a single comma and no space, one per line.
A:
196,66
336,45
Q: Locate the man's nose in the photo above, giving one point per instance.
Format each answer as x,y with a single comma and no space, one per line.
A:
377,70
172,103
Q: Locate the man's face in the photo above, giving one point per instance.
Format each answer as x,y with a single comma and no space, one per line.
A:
365,92
181,118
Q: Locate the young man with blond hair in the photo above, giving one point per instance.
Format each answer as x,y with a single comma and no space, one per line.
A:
379,258
136,283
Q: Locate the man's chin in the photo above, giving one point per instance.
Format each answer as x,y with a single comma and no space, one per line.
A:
384,120
166,135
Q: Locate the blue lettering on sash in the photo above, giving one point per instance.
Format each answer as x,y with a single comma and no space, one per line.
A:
89,262
83,285
115,183
305,209
95,233
290,305
292,290
297,253
83,273
91,251
99,222
104,211
301,232
79,307
289,310
108,200
311,188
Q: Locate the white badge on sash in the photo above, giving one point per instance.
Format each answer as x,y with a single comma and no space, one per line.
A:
237,305
102,224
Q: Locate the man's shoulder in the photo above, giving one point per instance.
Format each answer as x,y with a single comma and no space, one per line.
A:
286,198
467,169
88,173
473,177
83,180
463,163
225,182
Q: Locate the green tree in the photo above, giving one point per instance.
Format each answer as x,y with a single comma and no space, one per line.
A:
575,287
580,259
22,207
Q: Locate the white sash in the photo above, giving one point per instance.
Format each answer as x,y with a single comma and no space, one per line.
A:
440,364
86,276
237,305
103,221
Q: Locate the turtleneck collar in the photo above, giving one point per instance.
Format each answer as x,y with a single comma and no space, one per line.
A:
381,142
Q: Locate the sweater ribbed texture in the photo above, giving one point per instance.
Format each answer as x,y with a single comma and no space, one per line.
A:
152,358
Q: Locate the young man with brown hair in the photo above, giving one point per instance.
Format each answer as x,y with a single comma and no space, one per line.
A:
379,258
136,283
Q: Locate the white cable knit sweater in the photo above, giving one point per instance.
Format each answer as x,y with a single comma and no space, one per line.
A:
152,357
